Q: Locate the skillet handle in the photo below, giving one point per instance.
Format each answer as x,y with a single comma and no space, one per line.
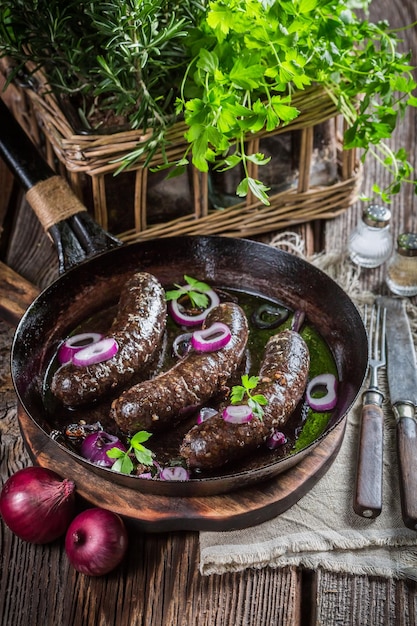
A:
63,216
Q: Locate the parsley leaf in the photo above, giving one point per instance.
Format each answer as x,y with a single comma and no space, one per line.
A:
195,294
255,401
123,462
249,57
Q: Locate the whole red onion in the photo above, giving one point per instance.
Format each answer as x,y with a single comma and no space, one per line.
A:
37,504
96,541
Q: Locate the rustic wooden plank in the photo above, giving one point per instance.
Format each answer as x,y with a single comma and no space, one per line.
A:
158,584
345,600
16,294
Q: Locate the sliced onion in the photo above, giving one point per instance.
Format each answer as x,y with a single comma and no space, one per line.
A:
181,344
74,344
146,475
298,320
103,350
276,440
269,316
95,446
237,414
205,413
329,400
180,315
174,473
210,339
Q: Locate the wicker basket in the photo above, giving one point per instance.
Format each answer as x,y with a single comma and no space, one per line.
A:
130,204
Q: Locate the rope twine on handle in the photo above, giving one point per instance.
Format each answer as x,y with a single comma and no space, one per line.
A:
53,201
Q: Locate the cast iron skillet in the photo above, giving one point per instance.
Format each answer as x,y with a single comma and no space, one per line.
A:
94,283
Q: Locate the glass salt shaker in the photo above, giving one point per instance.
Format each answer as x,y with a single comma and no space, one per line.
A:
402,266
371,244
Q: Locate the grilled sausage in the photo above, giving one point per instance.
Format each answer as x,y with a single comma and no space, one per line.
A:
283,378
138,328
154,404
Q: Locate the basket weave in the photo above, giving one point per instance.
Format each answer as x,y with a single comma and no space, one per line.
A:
88,162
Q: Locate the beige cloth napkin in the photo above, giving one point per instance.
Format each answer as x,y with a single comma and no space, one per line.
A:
321,530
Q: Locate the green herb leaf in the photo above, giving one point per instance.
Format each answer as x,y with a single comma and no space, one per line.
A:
115,453
255,402
196,295
123,462
139,438
124,465
237,394
143,455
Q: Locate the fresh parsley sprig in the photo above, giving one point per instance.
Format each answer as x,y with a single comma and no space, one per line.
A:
254,401
248,59
195,294
123,462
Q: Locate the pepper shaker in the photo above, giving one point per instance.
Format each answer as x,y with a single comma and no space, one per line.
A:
370,244
402,266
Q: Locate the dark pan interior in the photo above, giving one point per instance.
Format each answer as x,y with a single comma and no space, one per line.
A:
234,263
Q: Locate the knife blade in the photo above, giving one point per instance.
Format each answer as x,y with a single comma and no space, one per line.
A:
402,383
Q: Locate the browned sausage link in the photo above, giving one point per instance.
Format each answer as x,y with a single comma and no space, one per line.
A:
190,382
283,377
138,328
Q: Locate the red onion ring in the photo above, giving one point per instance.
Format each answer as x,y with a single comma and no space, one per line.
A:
329,400
181,344
237,414
174,473
205,413
180,315
102,350
74,344
210,339
146,475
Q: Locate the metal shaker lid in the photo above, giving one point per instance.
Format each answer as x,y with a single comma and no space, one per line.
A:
407,244
377,216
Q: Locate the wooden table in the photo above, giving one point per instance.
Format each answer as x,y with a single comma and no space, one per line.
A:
159,583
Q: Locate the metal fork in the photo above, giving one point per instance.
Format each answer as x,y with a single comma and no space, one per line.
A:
368,488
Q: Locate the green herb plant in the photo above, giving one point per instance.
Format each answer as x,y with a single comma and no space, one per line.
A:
250,56
118,62
123,462
196,294
229,68
254,401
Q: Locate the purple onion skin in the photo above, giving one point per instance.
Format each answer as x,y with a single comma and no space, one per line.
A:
37,504
96,542
94,448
